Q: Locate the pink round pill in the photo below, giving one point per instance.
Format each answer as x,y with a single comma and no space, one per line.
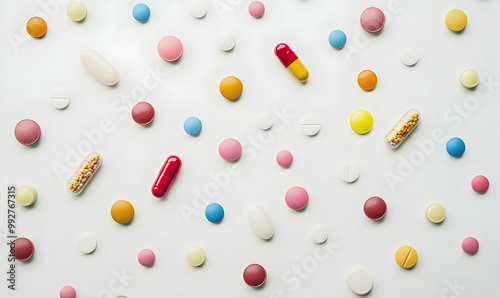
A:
146,257
480,184
67,292
143,113
297,198
255,275
256,9
372,20
27,132
284,158
470,245
230,149
375,208
170,48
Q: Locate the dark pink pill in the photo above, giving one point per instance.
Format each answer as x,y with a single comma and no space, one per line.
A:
470,245
23,248
143,113
372,19
375,208
255,275
27,132
480,184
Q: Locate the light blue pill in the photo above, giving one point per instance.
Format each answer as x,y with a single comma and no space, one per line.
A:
141,12
214,213
337,39
455,147
192,126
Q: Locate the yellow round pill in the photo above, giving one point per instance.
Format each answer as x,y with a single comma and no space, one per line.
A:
26,195
361,121
195,256
36,27
231,87
435,213
122,211
456,20
406,256
469,78
76,11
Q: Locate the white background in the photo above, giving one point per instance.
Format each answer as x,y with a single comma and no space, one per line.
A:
30,68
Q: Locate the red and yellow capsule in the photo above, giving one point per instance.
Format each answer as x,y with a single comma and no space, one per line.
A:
291,62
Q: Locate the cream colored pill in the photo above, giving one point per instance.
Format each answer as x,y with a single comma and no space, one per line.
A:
86,243
59,98
26,195
318,234
435,213
99,67
195,256
265,121
310,125
469,78
360,282
348,171
260,221
76,11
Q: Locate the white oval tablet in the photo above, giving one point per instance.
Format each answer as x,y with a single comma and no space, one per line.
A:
310,125
86,243
99,68
360,282
409,56
260,221
318,234
59,98
198,9
265,121
226,41
348,171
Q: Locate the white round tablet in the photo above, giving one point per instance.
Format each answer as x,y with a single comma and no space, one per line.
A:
348,171
310,125
409,56
226,41
360,282
198,9
86,243
318,234
265,121
59,98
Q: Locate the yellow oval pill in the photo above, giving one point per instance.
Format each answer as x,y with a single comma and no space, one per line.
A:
26,195
361,121
195,256
122,211
76,11
406,256
456,20
36,27
435,213
469,78
231,87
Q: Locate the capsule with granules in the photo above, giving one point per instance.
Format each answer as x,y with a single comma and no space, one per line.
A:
403,128
85,172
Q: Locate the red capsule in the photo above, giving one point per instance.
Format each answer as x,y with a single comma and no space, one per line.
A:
166,176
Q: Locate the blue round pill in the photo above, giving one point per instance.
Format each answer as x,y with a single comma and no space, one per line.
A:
455,147
337,39
214,213
141,12
192,126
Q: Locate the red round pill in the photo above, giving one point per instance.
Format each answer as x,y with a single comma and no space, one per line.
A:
255,275
27,132
23,248
480,184
375,208
470,245
372,20
143,113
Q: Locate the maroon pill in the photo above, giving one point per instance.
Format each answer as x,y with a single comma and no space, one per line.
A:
372,20
143,113
27,132
255,275
23,248
375,208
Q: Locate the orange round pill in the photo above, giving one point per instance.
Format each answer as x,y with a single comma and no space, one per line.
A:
367,80
122,211
36,27
231,87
